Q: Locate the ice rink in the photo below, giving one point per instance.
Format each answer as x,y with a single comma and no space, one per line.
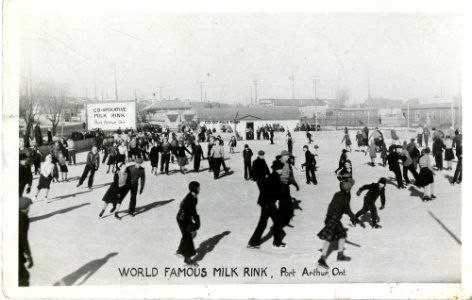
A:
71,245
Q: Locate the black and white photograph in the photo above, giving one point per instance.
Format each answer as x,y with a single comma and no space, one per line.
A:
245,148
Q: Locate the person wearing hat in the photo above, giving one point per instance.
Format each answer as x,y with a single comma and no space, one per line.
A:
38,135
426,176
260,170
271,132
247,155
268,196
287,178
24,251
289,142
374,191
189,222
342,160
334,230
135,174
91,165
197,153
393,159
309,166
25,175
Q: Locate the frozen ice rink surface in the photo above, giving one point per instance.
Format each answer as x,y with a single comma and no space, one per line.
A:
419,241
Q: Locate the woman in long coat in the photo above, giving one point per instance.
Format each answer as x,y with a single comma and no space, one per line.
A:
334,230
189,222
181,156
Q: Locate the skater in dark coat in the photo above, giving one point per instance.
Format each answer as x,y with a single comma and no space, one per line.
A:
36,156
154,157
271,131
374,191
112,195
24,174
342,159
38,136
394,165
91,165
189,222
334,230
438,147
289,142
260,170
309,137
197,152
458,172
135,174
269,194
309,166
165,156
24,251
247,155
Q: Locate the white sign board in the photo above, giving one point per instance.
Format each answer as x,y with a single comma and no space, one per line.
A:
111,115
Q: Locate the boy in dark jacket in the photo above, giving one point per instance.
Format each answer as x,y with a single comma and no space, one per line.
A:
247,155
91,165
197,153
309,166
25,176
374,191
394,165
189,222
24,252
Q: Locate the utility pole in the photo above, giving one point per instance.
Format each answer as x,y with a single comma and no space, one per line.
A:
316,112
160,93
95,84
255,89
135,95
251,95
315,85
368,84
201,90
116,85
292,78
102,94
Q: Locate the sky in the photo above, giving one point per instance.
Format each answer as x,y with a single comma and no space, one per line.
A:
406,55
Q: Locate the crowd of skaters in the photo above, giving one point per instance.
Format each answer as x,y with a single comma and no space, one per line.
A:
274,198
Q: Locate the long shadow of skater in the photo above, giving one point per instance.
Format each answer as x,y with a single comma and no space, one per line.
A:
229,173
58,198
448,177
445,228
73,178
392,181
414,192
86,270
57,212
296,204
334,247
101,185
208,246
147,207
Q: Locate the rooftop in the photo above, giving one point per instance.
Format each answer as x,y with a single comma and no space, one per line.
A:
246,113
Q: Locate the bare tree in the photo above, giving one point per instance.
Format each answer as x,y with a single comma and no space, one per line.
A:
29,106
54,108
